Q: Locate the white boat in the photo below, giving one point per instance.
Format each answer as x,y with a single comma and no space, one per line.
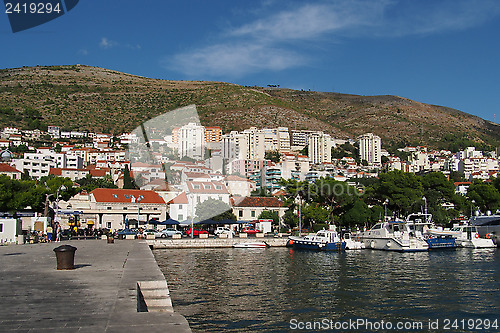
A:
467,236
392,236
323,240
245,245
352,242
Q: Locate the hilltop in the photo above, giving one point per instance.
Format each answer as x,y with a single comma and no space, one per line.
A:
101,100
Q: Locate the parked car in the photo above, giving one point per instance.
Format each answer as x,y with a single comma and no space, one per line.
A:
223,230
250,231
156,233
196,232
169,232
127,232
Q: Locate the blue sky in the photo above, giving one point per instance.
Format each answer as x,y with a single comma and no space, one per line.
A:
442,52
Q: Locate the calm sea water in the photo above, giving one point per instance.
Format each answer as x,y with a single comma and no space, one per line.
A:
280,289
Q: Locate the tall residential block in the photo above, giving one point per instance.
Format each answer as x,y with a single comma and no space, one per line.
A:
370,147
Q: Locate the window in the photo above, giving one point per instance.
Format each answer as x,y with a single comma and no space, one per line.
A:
141,197
252,213
180,217
108,225
208,187
125,208
240,213
1,227
127,196
196,187
180,206
115,196
218,187
108,208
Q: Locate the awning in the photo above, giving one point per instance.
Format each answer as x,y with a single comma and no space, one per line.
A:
168,222
90,222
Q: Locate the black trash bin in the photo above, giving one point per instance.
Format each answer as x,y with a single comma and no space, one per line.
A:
65,255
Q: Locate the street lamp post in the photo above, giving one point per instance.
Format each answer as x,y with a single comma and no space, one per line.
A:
62,188
192,215
425,199
471,205
385,208
300,218
138,210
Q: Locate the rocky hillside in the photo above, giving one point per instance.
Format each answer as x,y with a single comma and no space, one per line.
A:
102,100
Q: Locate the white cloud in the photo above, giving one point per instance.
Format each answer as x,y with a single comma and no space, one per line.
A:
234,59
107,43
276,41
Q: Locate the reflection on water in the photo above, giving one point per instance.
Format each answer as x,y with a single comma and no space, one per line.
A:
243,290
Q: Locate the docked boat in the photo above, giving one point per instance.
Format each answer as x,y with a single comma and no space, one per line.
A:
487,226
468,236
392,236
422,226
252,245
323,240
352,243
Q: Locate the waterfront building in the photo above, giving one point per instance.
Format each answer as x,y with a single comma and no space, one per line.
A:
114,208
249,208
178,207
370,148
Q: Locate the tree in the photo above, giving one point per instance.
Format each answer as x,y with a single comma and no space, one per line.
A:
486,196
90,183
401,188
273,156
269,215
128,182
357,214
214,209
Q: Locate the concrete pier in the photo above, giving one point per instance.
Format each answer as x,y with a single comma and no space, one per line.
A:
188,243
114,288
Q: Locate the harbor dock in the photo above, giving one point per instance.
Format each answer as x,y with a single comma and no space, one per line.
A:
116,287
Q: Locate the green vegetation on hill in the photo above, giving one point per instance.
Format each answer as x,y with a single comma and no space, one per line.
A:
101,100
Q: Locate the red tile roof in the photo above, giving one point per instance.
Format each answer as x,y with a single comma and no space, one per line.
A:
259,202
4,167
125,196
180,199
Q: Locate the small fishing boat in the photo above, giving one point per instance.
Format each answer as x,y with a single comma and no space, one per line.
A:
251,245
323,240
422,226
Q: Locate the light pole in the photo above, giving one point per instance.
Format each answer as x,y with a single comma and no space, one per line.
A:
385,208
138,210
62,188
300,218
192,214
471,204
425,199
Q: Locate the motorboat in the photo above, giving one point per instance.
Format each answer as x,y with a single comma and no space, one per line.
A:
352,242
488,226
468,236
253,245
392,236
323,240
421,226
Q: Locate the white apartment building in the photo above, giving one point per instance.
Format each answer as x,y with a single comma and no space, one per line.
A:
284,139
320,148
256,143
234,146
370,148
191,141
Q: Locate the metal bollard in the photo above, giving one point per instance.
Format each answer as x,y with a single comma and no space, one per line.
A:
65,255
